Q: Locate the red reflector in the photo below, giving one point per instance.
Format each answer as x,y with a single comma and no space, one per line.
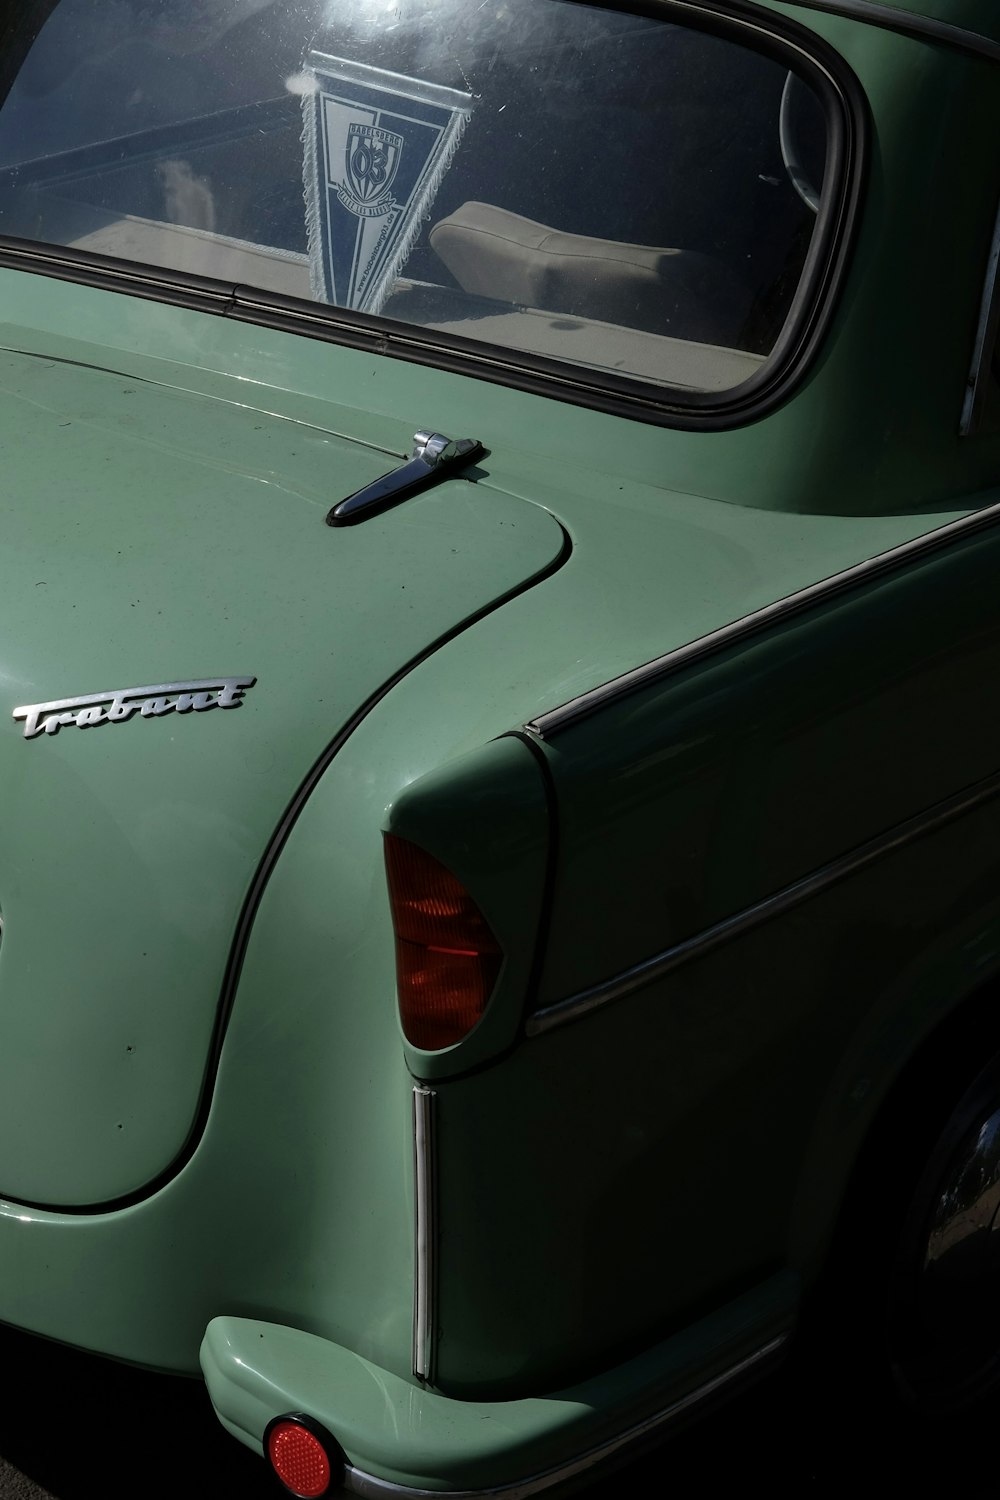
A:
299,1459
447,959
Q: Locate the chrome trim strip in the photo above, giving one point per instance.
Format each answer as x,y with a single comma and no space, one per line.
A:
644,973
987,335
370,1487
557,719
923,28
425,1232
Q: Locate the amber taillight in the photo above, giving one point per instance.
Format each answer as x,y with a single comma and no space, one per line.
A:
447,959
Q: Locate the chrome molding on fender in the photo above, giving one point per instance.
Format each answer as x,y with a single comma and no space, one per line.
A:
546,725
370,1487
425,1230
987,335
117,705
704,942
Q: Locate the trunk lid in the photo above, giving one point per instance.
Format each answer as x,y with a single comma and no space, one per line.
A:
153,537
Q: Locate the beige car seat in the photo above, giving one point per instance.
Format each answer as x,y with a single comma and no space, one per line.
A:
681,293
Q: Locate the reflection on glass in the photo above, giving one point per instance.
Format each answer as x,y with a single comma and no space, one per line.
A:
626,194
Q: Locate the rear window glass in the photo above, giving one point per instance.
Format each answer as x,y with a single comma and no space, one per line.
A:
625,194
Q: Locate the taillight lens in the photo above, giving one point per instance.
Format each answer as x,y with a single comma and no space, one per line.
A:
447,959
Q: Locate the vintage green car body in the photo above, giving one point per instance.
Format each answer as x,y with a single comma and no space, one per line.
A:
700,713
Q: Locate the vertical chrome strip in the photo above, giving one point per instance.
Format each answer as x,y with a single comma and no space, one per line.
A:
425,1231
987,335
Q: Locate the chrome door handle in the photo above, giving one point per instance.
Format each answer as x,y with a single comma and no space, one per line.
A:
434,457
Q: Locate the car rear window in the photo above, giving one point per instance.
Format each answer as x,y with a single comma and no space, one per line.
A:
626,195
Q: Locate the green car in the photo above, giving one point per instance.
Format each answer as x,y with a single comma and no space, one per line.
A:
542,464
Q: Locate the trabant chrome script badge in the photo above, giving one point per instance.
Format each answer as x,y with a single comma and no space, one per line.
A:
118,705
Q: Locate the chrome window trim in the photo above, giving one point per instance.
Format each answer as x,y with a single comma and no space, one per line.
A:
641,974
370,1487
556,720
742,21
987,336
922,28
424,1232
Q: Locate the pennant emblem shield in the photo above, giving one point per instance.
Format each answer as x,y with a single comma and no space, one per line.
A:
372,157
377,147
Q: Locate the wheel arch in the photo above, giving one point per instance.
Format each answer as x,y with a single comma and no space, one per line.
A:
894,1089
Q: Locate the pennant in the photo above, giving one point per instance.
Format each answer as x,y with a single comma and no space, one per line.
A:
377,145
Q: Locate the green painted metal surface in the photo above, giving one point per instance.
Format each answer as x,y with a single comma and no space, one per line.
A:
166,473
296,1205
152,537
744,1082
973,15
701,1130
783,754
410,1436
